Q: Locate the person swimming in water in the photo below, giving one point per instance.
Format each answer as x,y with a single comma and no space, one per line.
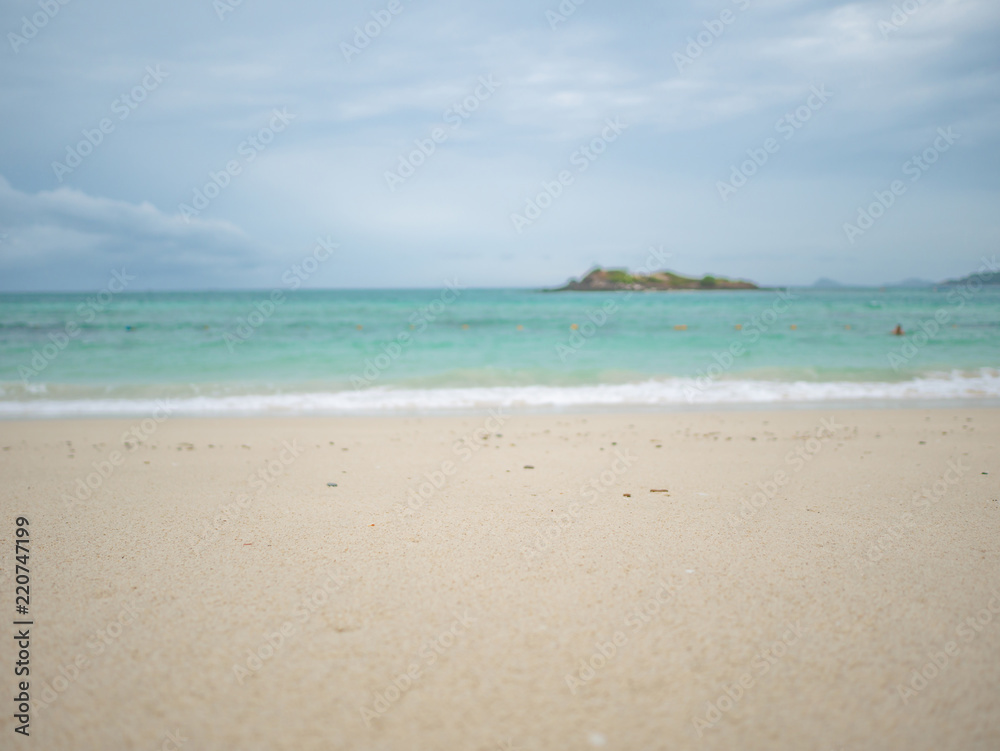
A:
898,331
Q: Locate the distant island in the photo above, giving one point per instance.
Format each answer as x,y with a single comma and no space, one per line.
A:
609,280
827,283
991,277
983,277
911,283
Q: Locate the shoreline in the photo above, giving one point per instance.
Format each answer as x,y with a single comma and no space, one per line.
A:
584,410
666,395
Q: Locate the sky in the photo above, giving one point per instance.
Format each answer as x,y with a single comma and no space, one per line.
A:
215,144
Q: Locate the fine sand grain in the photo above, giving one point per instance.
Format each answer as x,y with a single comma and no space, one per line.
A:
266,584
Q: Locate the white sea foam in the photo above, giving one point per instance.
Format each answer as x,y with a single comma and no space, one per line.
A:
983,385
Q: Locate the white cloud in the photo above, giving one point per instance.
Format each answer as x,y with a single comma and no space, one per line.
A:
72,238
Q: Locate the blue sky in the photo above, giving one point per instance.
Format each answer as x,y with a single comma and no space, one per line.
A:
518,97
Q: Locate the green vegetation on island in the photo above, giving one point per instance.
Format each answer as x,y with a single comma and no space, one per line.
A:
605,280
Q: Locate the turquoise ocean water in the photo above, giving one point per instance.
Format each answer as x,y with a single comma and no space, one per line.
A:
432,350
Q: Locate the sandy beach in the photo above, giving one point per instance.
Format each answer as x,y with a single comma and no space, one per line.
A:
815,579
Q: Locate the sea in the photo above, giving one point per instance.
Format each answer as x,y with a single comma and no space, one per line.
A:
459,350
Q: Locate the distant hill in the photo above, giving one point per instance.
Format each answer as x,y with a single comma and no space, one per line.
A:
824,283
911,282
604,280
984,278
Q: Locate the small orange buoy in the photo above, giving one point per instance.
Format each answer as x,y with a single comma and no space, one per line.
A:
574,326
520,327
793,327
465,325
738,327
359,327
680,327
847,326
